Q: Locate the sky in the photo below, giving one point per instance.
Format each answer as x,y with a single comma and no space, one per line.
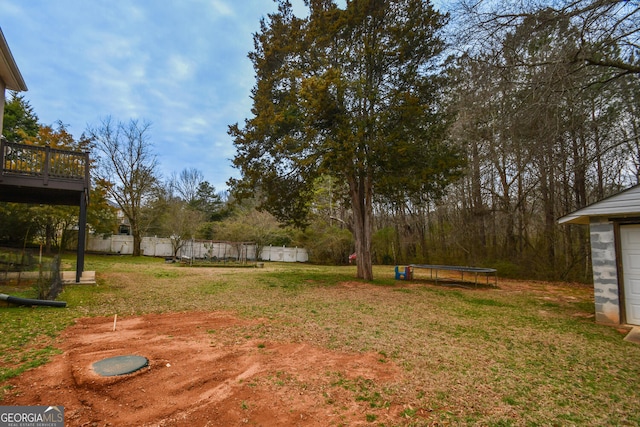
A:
180,65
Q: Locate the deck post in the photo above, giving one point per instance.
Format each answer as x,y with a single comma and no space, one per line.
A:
82,227
2,160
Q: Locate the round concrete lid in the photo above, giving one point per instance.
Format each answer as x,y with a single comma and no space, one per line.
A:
119,365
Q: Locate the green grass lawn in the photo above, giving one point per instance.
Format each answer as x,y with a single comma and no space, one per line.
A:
521,354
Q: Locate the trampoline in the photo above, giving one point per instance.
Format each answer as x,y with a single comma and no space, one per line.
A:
475,271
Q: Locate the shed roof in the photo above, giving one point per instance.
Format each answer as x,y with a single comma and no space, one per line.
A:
621,205
9,72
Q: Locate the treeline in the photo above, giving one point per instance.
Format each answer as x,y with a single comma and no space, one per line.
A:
541,101
546,105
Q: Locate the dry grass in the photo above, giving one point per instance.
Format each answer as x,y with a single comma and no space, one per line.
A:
526,353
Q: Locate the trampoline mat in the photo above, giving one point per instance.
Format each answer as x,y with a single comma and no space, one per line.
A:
119,365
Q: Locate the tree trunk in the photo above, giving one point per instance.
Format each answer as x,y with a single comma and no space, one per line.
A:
548,192
137,238
478,209
48,238
361,200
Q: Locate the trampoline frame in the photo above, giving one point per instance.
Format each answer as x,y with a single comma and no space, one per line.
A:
462,269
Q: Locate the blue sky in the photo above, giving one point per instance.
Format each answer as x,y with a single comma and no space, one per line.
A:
179,64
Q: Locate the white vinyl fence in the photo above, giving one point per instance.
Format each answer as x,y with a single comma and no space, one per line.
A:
195,249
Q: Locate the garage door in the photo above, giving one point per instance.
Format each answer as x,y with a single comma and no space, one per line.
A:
630,245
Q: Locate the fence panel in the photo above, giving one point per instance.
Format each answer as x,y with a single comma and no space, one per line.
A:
194,249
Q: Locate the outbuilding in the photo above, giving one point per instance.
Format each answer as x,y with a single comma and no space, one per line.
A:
614,228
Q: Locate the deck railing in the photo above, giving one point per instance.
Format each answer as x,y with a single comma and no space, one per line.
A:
43,162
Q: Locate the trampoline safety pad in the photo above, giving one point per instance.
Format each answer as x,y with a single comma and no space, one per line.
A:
119,365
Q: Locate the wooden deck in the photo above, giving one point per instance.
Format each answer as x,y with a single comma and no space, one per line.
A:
47,176
43,175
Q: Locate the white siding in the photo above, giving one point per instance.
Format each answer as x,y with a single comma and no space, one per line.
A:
626,203
630,245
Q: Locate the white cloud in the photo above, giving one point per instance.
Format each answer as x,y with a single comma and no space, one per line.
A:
103,46
221,8
180,68
10,10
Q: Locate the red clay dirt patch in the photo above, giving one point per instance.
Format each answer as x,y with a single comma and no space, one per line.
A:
202,372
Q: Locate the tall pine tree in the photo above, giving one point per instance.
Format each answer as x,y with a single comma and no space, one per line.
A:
350,93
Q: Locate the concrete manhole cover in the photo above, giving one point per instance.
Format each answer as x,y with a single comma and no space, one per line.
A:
119,365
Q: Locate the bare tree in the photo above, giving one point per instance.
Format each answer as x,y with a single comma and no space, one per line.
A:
543,126
607,32
186,184
127,168
180,223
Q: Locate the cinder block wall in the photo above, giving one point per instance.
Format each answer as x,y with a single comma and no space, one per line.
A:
605,272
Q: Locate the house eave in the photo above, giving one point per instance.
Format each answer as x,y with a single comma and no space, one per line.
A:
9,71
620,206
574,219
587,219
